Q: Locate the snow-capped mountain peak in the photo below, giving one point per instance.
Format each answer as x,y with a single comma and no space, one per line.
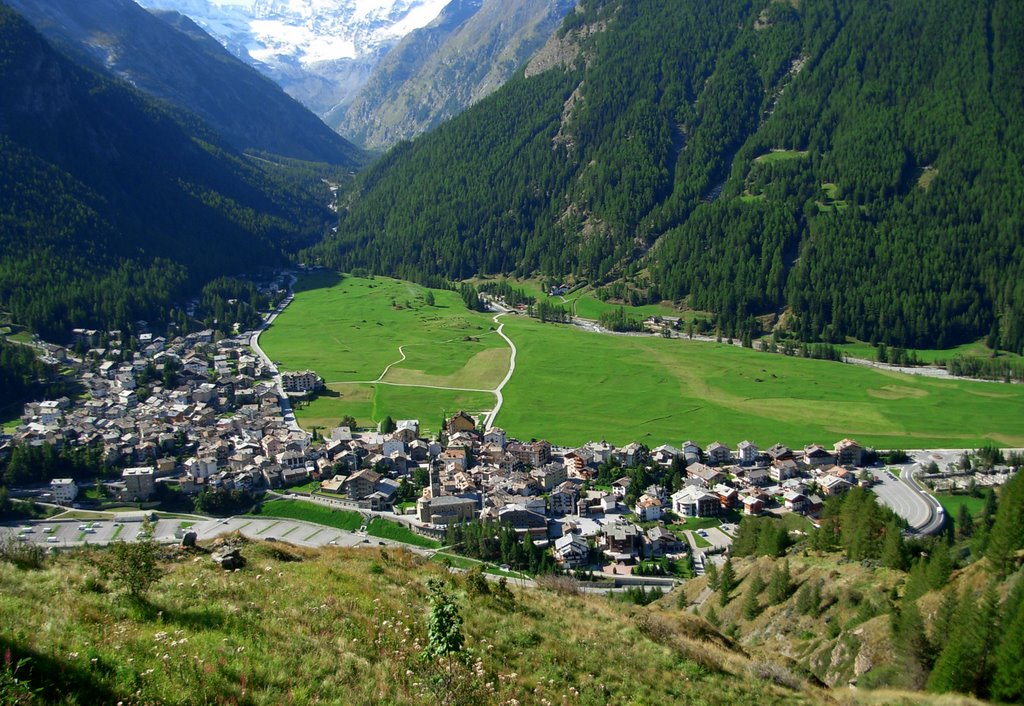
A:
305,31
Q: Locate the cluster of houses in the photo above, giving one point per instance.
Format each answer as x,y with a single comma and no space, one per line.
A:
547,492
215,422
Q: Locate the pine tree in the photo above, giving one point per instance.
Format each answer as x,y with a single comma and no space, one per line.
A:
940,566
894,551
964,523
1007,534
711,572
712,617
751,609
987,640
912,637
780,583
960,663
726,582
757,583
945,617
917,582
1008,682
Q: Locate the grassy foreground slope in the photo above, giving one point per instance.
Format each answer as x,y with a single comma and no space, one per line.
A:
572,386
347,626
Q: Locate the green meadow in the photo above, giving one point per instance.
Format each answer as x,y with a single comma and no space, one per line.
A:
865,351
951,504
349,331
571,386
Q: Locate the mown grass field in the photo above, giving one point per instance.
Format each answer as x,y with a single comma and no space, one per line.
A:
572,386
302,510
952,503
386,529
351,330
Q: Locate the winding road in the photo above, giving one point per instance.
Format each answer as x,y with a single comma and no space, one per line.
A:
905,497
493,414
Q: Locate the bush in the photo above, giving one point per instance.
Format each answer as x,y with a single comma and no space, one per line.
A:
24,555
133,566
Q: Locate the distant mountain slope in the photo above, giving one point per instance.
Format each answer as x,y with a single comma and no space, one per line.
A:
472,48
851,167
320,51
170,57
113,205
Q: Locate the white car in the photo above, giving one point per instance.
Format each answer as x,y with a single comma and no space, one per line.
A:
83,527
28,529
51,540
48,530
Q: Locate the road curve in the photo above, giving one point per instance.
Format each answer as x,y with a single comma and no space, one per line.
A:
493,414
936,513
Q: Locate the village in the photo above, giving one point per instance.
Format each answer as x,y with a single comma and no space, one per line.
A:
195,416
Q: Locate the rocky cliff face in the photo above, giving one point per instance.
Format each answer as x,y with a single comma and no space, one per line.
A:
472,48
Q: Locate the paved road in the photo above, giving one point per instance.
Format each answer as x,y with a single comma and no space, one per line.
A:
254,343
901,498
493,414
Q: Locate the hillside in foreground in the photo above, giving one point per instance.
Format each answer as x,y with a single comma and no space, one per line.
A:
349,626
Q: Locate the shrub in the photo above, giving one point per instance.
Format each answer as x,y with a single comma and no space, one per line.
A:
24,555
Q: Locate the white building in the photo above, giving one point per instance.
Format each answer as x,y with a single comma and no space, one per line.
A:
695,502
64,490
746,452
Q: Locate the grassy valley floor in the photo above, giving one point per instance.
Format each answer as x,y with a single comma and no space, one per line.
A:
571,386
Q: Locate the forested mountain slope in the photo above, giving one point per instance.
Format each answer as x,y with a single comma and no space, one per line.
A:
437,71
170,57
113,205
857,163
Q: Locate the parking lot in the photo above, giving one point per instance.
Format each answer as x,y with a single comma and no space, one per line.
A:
77,532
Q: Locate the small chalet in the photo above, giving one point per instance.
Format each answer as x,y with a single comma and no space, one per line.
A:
795,502
816,455
695,502
718,453
752,505
648,508
460,422
708,476
572,551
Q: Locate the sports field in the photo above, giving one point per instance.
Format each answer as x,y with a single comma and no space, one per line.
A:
442,357
571,386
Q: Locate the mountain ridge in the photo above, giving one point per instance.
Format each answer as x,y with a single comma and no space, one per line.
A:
726,157
115,205
435,72
172,58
